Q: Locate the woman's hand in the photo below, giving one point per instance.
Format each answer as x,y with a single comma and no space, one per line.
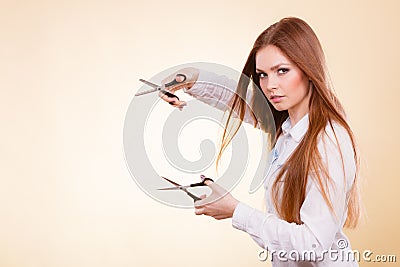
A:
184,78
219,205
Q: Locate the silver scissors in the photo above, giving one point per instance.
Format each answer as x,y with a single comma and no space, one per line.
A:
162,88
184,188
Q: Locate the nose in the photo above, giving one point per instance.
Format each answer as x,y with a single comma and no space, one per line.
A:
272,83
269,84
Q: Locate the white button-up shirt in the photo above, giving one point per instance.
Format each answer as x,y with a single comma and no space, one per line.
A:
320,241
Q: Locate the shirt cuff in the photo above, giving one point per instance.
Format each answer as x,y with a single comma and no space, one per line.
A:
197,88
241,215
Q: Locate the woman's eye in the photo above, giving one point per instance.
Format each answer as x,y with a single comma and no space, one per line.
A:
262,75
283,70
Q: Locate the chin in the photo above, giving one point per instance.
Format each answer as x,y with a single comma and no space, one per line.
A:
279,108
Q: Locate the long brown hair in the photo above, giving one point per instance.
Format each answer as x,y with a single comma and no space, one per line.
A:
295,38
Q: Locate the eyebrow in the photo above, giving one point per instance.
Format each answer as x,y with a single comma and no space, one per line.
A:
273,67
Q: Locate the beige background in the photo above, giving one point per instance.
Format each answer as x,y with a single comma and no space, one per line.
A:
68,72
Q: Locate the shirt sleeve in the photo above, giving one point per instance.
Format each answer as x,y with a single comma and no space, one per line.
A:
320,224
217,91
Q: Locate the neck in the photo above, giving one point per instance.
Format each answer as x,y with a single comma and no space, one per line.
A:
300,110
295,117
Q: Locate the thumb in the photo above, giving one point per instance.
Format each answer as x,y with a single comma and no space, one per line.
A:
217,192
217,189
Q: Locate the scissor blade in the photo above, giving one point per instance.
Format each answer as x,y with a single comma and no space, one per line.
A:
172,188
172,182
183,188
155,86
146,92
195,198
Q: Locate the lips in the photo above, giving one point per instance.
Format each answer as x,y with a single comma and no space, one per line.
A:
276,98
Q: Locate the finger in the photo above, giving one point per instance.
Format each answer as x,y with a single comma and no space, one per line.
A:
196,203
166,98
179,78
201,203
199,211
172,100
208,182
179,104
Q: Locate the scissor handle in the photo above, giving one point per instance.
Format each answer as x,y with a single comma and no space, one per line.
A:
169,95
202,183
175,81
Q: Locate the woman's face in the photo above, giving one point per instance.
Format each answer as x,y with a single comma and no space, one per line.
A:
283,83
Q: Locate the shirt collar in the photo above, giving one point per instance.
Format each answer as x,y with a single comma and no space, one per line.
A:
298,131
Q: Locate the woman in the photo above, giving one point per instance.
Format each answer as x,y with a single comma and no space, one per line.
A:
311,187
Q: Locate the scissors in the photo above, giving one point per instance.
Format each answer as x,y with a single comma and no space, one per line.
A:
185,187
162,87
